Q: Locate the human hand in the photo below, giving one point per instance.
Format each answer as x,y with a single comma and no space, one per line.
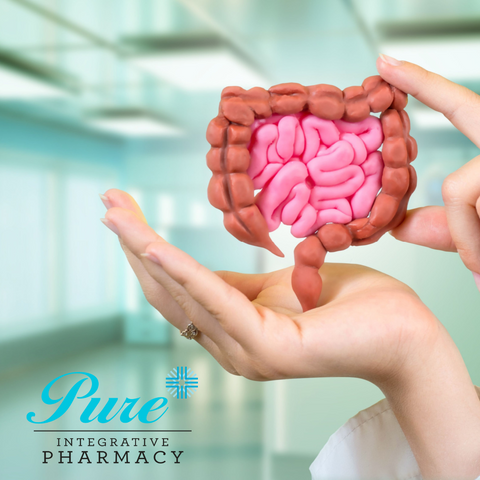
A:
455,227
365,325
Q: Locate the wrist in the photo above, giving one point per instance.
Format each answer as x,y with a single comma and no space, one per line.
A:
436,405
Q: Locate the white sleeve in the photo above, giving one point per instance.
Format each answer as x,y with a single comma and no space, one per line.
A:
371,445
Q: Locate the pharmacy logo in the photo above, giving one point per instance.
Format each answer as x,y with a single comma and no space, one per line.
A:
181,382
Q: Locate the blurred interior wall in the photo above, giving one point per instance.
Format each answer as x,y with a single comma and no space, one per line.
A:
60,266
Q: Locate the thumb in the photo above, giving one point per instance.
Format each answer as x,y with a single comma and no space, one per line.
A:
426,226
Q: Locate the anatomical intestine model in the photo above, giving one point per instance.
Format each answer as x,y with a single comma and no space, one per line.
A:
313,154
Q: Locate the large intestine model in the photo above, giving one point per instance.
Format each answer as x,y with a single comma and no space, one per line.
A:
313,154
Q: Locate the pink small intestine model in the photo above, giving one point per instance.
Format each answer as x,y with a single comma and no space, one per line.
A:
314,171
312,154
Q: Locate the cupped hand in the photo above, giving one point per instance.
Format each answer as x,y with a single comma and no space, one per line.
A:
366,325
455,227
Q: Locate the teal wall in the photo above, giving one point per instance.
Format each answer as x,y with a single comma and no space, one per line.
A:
54,139
52,246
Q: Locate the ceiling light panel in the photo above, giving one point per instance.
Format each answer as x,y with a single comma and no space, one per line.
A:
134,127
132,123
195,62
24,79
200,70
14,86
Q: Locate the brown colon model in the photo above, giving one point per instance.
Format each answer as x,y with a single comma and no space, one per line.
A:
231,189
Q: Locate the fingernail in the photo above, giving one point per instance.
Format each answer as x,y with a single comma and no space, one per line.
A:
390,60
151,257
105,201
110,225
476,277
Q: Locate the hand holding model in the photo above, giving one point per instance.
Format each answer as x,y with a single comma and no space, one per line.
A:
253,324
455,227
367,325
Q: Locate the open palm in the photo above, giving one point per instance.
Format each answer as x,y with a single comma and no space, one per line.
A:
364,325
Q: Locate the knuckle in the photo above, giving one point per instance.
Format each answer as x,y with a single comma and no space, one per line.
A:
196,272
150,295
258,370
469,257
229,291
181,299
452,189
230,369
254,375
247,369
124,247
426,77
468,100
185,303
228,362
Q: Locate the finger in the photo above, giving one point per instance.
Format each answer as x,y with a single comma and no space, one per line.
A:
234,312
137,236
426,226
461,194
161,300
119,198
249,284
158,296
459,104
154,291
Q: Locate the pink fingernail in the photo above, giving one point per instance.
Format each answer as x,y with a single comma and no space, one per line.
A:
390,60
151,257
110,225
105,201
476,277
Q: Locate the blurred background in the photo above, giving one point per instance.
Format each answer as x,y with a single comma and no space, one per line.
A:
96,94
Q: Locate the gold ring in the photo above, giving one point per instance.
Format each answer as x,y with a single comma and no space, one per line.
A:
190,332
